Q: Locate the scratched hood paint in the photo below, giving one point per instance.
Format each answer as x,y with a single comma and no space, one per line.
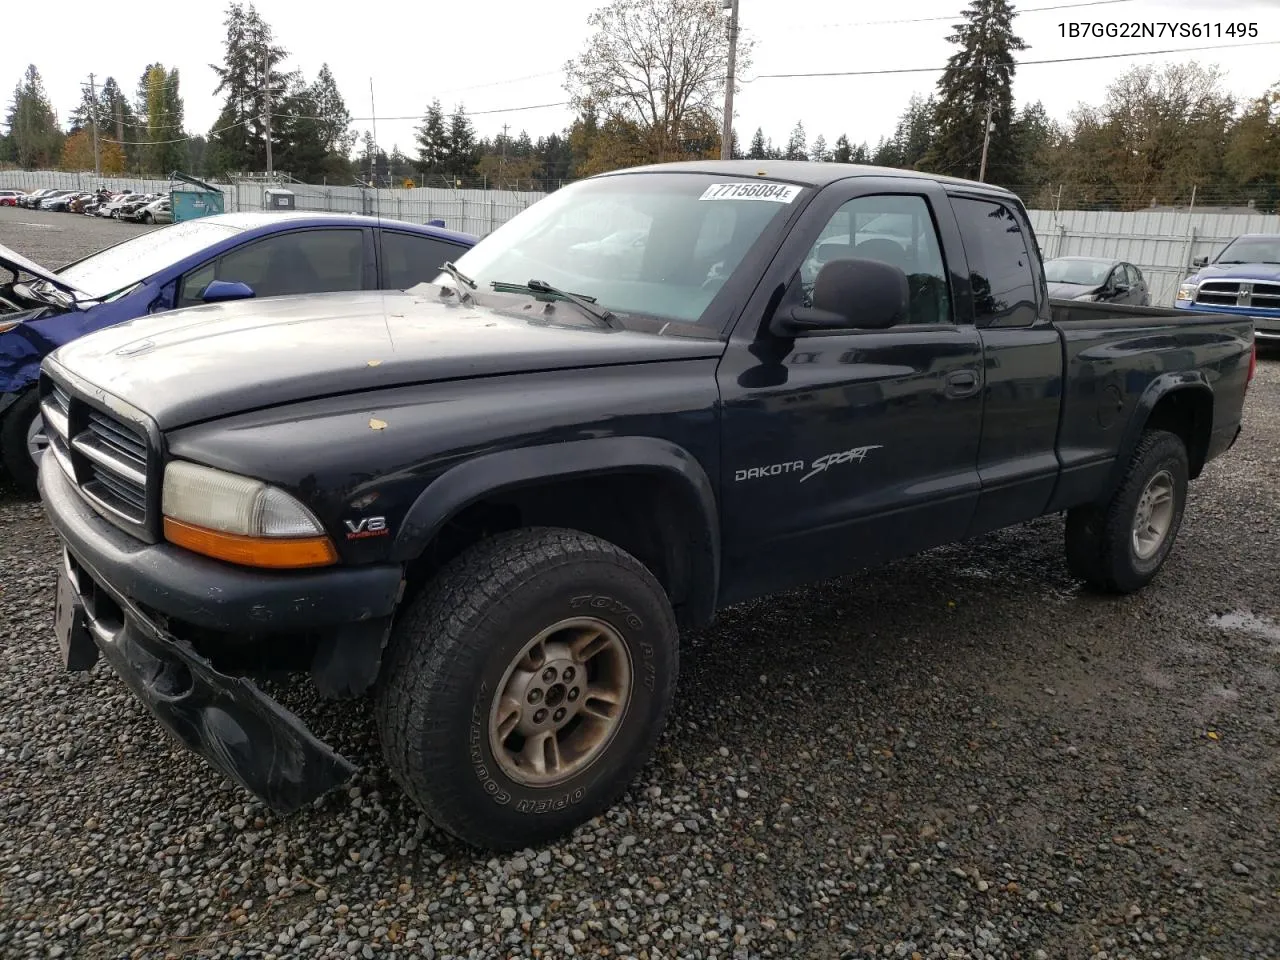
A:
212,361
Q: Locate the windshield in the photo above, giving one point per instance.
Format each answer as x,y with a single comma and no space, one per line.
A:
1251,250
127,263
1086,273
654,244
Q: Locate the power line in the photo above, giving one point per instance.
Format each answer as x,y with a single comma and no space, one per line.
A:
1019,63
954,16
298,116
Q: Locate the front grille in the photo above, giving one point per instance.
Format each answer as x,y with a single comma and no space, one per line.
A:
1239,293
102,453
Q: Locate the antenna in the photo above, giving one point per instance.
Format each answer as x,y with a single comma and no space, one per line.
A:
373,156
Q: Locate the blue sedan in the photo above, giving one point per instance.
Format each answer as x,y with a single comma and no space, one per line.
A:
224,257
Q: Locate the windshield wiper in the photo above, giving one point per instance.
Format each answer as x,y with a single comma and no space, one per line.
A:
460,278
543,290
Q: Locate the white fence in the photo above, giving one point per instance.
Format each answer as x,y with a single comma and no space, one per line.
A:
470,211
1161,244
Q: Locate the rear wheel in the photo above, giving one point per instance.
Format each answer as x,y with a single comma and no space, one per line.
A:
1121,545
525,689
23,441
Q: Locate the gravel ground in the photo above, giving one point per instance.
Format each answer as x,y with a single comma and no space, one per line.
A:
960,755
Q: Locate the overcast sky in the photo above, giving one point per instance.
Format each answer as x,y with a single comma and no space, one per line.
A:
497,54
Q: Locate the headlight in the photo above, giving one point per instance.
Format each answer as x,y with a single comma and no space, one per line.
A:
240,520
1186,291
7,325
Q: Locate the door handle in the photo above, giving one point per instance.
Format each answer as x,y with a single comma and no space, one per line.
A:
962,383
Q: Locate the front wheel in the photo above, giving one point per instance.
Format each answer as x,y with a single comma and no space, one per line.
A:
526,688
23,441
1121,545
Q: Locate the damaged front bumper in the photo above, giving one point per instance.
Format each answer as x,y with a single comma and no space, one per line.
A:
107,589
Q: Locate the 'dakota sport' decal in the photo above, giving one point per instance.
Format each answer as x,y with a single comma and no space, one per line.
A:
772,192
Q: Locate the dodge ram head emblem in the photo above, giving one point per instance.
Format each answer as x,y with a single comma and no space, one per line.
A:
1244,298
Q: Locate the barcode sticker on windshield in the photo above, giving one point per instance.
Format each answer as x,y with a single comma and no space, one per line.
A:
773,192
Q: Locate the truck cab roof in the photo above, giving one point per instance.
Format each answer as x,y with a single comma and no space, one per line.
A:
803,172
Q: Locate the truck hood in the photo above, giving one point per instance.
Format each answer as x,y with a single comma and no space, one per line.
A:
12,260
212,361
1237,271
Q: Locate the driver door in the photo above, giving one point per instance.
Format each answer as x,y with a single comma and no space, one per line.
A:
851,447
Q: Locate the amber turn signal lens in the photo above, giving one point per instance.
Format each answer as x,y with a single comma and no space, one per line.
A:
280,554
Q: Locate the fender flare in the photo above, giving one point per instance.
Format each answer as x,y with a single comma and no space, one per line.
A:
1159,388
506,470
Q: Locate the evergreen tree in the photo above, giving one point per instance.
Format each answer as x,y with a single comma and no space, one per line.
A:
433,140
798,144
334,124
554,156
820,152
160,102
842,153
237,141
860,154
911,137
582,137
461,153
33,126
118,122
978,79
757,150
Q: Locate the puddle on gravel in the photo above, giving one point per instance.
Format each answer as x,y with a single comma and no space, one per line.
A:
1249,623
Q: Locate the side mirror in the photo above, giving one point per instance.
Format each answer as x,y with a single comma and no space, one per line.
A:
1200,262
220,291
1121,288
850,294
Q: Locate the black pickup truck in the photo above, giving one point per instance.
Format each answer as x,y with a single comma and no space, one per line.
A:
492,501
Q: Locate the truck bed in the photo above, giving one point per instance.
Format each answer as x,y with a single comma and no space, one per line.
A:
1118,358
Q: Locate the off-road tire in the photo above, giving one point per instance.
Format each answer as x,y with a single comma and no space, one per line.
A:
18,465
1099,537
451,648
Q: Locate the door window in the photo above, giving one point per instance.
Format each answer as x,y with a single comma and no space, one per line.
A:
897,229
409,259
302,261
1004,286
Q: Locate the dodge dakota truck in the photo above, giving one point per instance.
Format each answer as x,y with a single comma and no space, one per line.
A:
1243,280
491,502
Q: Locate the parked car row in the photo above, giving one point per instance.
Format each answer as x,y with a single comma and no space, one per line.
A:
117,205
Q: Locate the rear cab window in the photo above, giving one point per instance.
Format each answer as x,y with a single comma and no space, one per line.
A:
1006,291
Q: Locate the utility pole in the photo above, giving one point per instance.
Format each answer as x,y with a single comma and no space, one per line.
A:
726,129
986,142
266,101
93,116
502,167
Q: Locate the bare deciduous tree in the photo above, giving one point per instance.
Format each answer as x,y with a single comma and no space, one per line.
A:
657,67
